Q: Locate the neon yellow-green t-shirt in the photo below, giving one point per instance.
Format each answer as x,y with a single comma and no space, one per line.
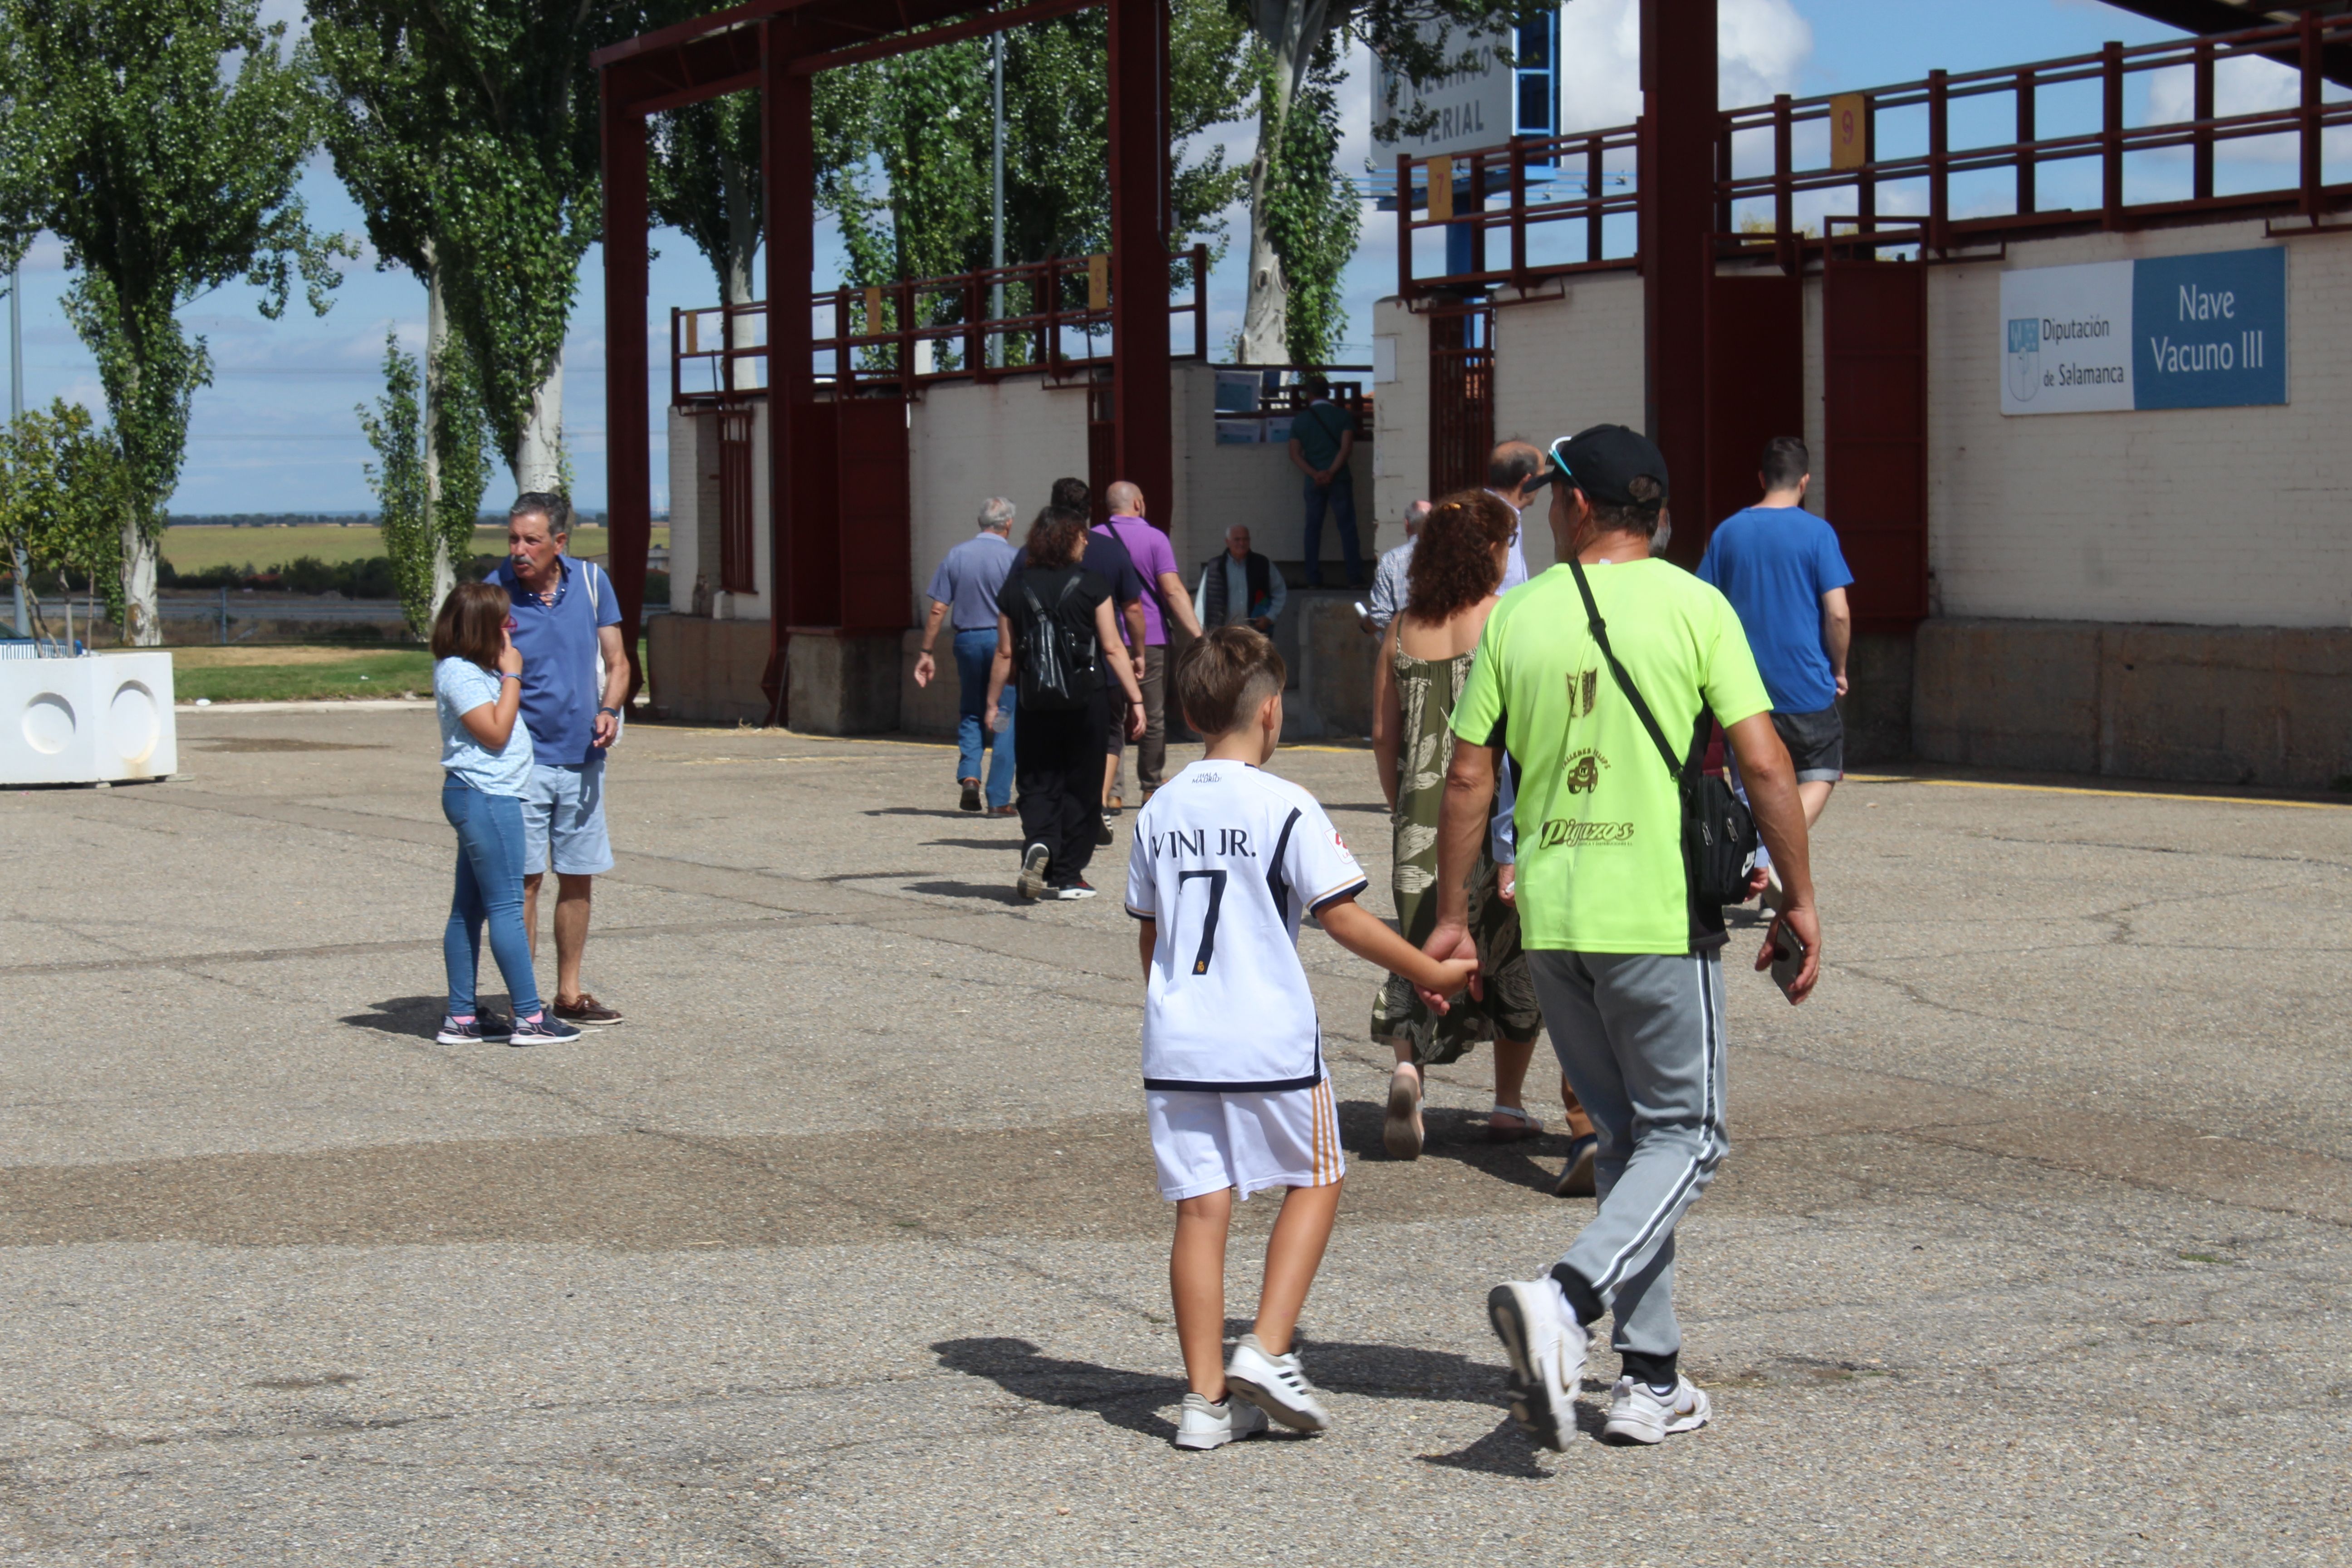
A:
1599,819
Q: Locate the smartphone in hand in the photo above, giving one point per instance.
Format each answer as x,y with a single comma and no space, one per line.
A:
1787,956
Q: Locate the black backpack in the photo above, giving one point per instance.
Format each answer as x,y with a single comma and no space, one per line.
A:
1057,663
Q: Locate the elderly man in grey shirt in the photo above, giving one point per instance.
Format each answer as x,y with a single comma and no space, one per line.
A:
1240,585
1389,577
966,587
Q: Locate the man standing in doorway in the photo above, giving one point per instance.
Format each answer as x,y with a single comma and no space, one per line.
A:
1626,960
1163,598
965,587
567,621
1511,471
1240,585
1322,439
1781,568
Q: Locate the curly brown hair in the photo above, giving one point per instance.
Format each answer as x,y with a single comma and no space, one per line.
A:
1453,564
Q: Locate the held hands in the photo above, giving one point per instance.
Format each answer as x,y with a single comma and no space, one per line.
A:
1461,974
925,667
1451,946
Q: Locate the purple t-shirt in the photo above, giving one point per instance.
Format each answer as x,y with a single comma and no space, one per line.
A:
1152,554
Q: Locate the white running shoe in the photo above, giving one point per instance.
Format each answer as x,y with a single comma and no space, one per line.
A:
1638,1415
1275,1385
1547,1347
1207,1425
1032,882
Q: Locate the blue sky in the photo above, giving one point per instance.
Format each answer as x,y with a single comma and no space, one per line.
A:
277,430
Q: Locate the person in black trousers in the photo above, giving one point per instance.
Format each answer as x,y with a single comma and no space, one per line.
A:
1054,621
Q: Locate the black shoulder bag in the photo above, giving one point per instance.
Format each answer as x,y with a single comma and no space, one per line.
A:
1718,831
1058,666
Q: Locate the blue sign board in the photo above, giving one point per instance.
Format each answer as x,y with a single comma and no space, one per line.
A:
2209,331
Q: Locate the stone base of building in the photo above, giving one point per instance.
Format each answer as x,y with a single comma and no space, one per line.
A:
2249,705
843,683
705,672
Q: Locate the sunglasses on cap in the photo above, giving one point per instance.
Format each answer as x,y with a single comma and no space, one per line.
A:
1556,467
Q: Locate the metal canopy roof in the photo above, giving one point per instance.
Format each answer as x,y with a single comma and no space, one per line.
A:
2211,16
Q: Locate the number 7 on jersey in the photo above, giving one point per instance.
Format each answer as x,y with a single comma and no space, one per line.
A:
1216,880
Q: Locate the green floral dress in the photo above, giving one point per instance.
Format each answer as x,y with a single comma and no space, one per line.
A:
1427,690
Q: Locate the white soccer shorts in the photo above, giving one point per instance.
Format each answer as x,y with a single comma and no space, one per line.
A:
1203,1141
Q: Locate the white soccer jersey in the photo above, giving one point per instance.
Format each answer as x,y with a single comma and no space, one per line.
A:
1226,859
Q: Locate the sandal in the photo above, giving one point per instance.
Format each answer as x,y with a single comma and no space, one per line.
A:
1401,1132
1529,1126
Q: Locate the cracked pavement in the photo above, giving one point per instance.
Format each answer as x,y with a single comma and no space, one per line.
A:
2030,1246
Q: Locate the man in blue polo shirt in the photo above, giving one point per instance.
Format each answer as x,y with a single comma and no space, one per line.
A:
566,619
1781,568
965,587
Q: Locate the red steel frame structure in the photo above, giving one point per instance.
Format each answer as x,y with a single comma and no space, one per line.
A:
777,46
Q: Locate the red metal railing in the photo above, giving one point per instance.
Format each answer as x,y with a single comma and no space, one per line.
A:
2303,45
926,329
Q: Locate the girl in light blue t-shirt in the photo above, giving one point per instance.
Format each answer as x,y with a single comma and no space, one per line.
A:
486,758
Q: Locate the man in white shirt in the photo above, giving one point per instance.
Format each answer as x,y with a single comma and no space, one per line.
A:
1510,468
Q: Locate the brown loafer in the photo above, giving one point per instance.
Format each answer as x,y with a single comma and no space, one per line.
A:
1004,810
586,1011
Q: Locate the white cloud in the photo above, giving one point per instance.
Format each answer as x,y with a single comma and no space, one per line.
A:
1762,47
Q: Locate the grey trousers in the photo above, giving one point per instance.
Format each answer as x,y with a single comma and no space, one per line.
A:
1640,1037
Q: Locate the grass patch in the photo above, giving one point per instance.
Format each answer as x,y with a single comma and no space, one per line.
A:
194,549
2204,1258
297,674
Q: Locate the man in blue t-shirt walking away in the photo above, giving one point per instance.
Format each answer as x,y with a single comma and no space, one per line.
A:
1781,568
965,586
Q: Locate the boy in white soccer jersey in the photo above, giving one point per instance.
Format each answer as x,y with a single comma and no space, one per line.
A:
1226,860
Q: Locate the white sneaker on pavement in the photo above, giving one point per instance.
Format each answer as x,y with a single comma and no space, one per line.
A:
1275,1385
1637,1413
1547,1347
1207,1425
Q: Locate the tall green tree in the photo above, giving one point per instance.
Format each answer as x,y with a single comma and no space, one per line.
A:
1296,189
909,176
160,139
417,537
387,124
63,487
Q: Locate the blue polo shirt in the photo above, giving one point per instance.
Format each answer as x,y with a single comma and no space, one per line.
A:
971,577
558,643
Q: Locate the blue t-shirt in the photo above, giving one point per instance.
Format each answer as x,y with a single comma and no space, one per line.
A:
558,640
1774,563
970,577
460,685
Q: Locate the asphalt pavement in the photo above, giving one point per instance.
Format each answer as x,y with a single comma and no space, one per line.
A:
2031,1248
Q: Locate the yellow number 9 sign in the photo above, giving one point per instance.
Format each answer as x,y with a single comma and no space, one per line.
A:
1849,130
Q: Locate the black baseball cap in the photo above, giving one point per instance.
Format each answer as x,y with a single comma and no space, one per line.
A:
1601,462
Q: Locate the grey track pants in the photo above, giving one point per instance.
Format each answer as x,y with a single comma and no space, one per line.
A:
1640,1037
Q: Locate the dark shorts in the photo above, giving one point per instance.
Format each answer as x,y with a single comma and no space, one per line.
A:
1816,743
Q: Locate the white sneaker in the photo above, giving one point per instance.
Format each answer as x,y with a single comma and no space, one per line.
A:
1638,1415
1547,1347
1275,1385
1033,861
1207,1425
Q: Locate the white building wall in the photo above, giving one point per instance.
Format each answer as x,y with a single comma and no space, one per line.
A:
1399,419
693,494
967,442
2207,516
1563,365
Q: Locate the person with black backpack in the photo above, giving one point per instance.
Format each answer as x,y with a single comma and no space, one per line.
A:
1054,621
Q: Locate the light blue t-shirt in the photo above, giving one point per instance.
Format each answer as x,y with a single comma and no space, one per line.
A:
460,685
1774,563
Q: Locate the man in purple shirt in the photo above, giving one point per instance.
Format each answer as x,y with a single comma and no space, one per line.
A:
1163,597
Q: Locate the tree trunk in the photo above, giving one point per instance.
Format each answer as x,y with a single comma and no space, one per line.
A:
537,460
436,338
735,271
140,626
1291,29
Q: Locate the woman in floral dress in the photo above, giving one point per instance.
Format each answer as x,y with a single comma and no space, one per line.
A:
1424,664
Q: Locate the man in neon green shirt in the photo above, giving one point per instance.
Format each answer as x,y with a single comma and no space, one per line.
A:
1627,963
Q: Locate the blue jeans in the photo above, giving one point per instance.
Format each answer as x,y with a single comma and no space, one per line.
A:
974,652
1340,498
490,888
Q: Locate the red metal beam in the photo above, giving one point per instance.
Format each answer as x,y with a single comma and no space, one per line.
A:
628,464
1142,406
788,165
1678,184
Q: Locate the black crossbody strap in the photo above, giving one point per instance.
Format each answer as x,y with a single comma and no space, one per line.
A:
1600,629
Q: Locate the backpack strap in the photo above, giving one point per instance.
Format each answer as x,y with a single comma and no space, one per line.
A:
1600,629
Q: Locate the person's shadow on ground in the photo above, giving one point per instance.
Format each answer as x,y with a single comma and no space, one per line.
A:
409,1016
1133,1400
1460,1136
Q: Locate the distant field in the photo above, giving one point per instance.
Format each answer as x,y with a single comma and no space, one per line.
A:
240,673
202,549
